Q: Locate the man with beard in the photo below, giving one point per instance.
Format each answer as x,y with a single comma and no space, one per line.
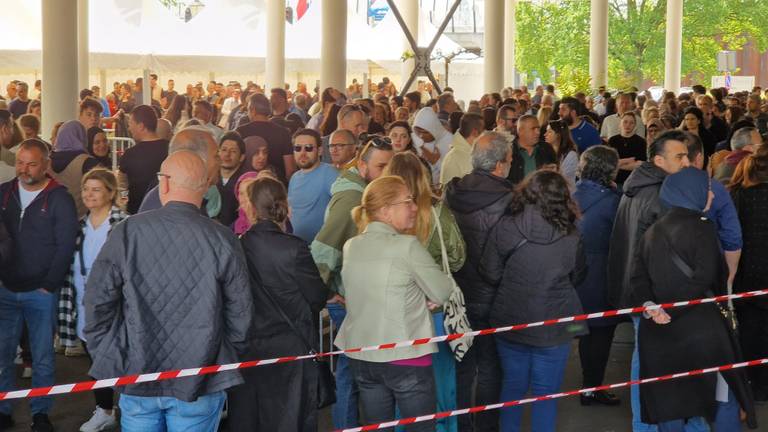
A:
42,253
309,190
347,193
584,134
232,155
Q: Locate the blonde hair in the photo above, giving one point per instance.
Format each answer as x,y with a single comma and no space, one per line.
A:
407,166
106,177
377,195
543,115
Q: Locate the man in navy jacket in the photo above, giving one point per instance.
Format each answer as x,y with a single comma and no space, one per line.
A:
42,221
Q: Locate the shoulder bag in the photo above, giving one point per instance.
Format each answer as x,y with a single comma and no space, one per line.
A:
326,384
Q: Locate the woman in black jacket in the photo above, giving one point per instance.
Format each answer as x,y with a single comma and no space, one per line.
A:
281,397
679,259
749,190
534,257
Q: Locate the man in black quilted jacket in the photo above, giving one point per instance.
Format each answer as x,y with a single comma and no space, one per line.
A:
170,290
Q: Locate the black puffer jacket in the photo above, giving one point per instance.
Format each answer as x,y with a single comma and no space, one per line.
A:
478,201
639,208
536,279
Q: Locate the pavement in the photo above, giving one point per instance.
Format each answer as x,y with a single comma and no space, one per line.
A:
70,411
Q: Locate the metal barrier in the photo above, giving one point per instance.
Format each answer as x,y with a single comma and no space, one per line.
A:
118,146
324,313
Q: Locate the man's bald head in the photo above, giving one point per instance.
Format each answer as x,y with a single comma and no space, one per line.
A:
183,178
200,141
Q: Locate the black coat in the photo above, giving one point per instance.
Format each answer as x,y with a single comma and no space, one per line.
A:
639,208
545,154
229,203
752,206
536,280
279,397
478,200
698,336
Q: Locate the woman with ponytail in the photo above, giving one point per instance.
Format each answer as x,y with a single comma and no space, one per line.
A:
388,277
285,284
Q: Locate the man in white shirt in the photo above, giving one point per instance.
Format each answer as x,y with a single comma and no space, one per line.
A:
230,103
611,124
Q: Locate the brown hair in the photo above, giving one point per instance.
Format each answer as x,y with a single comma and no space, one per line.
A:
377,195
407,166
106,177
30,121
751,171
268,199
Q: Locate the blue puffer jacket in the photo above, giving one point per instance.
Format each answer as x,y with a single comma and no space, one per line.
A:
43,240
598,206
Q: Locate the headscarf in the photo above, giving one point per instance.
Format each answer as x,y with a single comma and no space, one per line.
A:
242,223
688,188
92,132
71,137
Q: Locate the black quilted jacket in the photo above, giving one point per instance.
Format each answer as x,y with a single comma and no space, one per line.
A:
169,290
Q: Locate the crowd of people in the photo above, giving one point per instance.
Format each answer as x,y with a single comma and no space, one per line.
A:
241,213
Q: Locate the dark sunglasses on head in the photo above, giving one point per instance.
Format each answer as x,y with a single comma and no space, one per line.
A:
377,142
309,148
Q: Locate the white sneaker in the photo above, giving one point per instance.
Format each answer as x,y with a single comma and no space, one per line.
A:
100,421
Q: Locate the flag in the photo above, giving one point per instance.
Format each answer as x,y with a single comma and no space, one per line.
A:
301,8
728,80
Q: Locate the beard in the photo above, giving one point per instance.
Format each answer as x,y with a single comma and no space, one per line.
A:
309,163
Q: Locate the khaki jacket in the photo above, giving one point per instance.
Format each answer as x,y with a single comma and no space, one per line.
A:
458,161
388,278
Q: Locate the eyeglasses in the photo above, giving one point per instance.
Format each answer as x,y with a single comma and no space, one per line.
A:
309,148
339,145
163,175
407,201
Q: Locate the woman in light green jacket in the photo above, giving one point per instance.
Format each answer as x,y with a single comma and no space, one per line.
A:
389,278
410,168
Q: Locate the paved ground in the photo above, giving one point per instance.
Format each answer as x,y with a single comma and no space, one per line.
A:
72,410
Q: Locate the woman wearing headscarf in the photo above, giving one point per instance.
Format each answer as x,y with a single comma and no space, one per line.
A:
70,160
679,259
98,146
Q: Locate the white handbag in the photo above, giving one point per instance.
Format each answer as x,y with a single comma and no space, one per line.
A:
455,310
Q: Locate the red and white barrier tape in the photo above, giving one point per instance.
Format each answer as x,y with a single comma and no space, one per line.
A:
444,414
181,373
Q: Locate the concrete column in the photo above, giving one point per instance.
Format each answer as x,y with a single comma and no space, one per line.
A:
510,31
493,46
409,10
59,97
333,45
83,64
146,89
275,62
598,43
103,83
673,52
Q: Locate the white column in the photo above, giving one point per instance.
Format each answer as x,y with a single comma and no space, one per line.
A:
493,46
409,10
673,52
146,89
598,43
275,62
333,45
82,45
510,30
103,83
59,97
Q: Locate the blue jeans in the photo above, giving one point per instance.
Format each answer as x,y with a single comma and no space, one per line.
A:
538,369
344,411
727,418
36,309
164,413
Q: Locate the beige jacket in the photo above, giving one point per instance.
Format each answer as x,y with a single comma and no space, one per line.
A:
388,278
458,161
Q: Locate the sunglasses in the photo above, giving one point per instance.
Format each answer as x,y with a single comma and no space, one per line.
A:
309,148
379,143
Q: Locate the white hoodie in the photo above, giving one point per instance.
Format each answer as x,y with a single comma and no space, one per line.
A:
427,119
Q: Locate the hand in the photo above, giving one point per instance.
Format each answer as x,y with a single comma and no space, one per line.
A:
44,291
659,316
337,299
431,156
432,306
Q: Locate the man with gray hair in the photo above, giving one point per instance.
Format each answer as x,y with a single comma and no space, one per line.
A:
744,142
350,117
185,304
478,201
198,140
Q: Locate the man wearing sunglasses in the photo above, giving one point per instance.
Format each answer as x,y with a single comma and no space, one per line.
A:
310,187
347,193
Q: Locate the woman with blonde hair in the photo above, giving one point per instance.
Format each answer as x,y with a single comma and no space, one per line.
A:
409,167
100,199
389,277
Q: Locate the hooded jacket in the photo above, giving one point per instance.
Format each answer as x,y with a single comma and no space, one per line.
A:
536,280
43,239
346,194
427,119
478,201
639,208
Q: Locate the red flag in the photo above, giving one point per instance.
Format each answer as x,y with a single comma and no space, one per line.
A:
301,9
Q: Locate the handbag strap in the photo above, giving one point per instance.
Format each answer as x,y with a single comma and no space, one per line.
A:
443,251
254,272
